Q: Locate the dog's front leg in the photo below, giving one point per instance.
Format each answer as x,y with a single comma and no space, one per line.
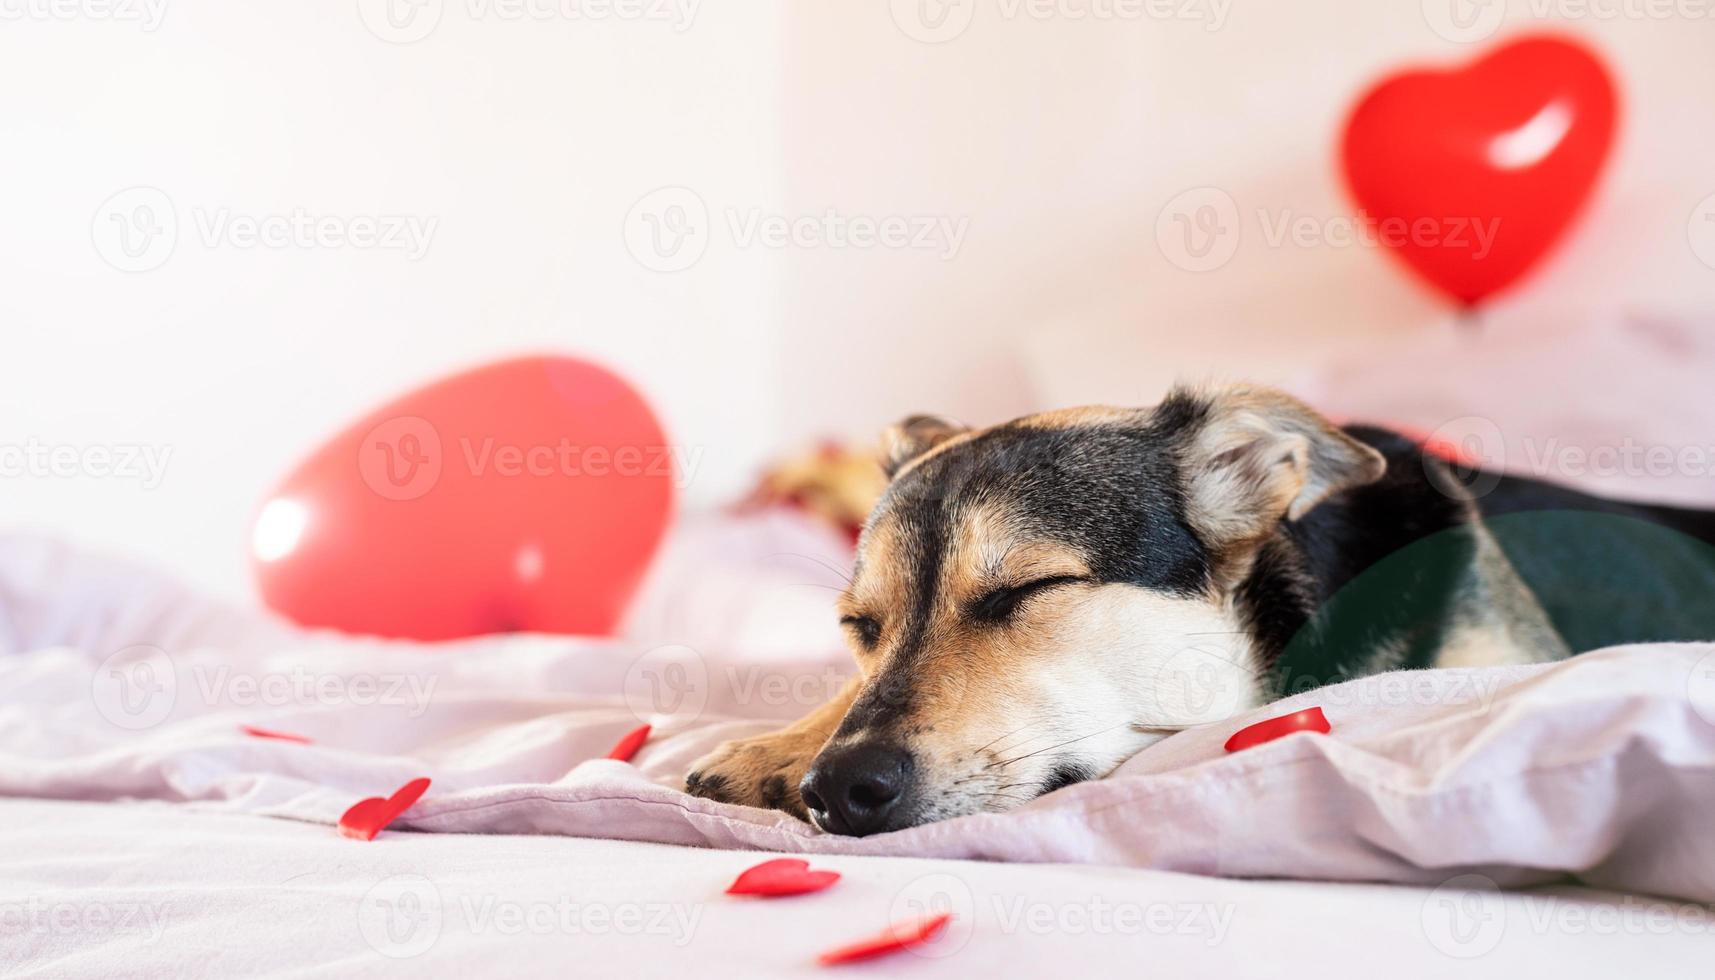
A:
765,771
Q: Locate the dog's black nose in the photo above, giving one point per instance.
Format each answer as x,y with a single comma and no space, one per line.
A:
856,788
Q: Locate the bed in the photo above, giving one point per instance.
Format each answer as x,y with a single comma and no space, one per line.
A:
155,822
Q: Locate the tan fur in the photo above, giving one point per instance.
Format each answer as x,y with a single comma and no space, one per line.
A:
740,771
1264,456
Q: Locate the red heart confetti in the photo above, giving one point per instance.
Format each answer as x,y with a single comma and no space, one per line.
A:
1308,720
368,817
900,935
628,746
255,732
782,876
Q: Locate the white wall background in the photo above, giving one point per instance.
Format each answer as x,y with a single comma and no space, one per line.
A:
527,134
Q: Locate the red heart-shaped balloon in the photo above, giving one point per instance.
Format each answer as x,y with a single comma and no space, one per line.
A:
1471,175
369,817
903,935
1308,720
526,495
782,876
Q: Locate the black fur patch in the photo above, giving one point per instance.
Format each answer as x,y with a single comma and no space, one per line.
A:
712,787
1309,640
775,793
1063,775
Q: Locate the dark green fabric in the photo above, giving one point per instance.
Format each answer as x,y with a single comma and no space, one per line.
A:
1603,579
1606,579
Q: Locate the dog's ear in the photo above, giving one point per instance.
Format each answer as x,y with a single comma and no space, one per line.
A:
914,436
1256,456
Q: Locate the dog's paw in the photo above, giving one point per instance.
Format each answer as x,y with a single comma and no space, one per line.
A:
764,771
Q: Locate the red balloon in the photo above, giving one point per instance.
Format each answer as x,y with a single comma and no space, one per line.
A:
1471,175
526,495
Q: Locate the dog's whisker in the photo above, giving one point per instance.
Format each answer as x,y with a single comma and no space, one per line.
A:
844,576
1010,734
1057,745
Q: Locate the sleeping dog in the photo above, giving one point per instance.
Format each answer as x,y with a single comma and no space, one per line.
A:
1036,602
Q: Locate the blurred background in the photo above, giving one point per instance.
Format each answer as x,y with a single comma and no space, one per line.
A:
232,228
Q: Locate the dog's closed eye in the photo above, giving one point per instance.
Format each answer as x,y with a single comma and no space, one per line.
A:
998,605
868,630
